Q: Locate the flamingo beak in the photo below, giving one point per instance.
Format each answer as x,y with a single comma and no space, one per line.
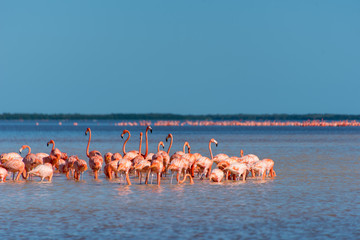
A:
47,144
122,136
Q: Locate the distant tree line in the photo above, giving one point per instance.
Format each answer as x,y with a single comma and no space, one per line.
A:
165,116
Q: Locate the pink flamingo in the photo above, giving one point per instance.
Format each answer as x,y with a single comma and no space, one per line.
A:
13,165
80,166
129,161
63,155
30,161
157,166
216,175
95,158
3,174
264,167
69,166
10,156
238,168
205,163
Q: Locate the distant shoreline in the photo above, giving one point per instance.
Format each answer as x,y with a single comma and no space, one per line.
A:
158,116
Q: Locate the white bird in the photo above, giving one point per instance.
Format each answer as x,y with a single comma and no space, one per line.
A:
43,171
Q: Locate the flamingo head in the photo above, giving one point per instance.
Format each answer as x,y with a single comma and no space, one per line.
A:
22,148
188,146
107,157
169,136
214,141
87,130
50,142
241,153
149,128
162,144
123,133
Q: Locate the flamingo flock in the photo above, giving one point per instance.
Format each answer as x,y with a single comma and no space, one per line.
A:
134,164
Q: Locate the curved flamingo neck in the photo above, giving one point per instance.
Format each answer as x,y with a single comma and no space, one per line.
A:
184,146
53,144
126,141
171,142
28,147
187,175
88,145
211,154
160,144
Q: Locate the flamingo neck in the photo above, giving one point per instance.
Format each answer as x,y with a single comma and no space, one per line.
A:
53,145
26,146
184,147
211,154
184,179
159,146
140,144
126,142
171,142
88,145
147,144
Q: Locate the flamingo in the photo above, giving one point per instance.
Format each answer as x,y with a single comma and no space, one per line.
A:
69,165
238,168
107,157
10,156
80,166
178,166
157,166
63,155
95,158
216,175
30,161
264,167
164,154
126,163
250,160
3,174
179,153
43,171
134,153
218,158
53,158
205,163
13,165
190,159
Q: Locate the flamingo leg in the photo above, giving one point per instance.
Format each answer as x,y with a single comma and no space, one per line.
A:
128,179
158,178
177,177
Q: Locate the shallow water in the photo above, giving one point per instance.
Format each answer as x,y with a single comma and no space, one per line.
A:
314,196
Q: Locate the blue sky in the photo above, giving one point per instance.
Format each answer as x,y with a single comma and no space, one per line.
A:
187,57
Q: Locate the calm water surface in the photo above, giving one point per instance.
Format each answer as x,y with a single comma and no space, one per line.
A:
315,196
